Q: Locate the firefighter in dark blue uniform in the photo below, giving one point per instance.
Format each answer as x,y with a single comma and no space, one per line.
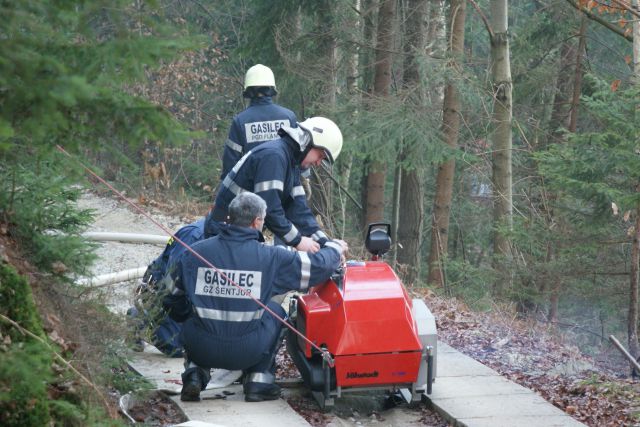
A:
223,327
260,122
148,313
272,171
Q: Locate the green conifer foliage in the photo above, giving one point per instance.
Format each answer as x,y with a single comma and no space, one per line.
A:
40,213
62,69
595,175
25,364
602,166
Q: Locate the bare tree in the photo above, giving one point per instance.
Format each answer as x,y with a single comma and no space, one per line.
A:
501,135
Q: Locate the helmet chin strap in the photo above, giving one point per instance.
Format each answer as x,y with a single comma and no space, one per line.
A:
301,137
306,150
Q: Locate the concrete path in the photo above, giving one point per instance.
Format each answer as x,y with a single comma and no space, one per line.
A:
220,406
467,393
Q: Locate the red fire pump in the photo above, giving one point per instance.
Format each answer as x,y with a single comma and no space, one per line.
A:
376,335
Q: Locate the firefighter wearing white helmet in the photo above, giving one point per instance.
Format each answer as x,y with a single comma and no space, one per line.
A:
260,121
325,135
259,76
272,171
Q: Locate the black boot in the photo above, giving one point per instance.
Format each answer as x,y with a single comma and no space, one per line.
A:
257,392
193,381
190,391
259,386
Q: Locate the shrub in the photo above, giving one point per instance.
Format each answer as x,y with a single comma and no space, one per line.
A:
39,210
25,363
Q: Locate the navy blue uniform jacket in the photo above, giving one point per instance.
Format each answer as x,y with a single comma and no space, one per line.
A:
271,171
263,271
259,123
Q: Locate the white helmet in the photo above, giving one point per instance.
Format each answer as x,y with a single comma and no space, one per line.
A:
259,75
324,134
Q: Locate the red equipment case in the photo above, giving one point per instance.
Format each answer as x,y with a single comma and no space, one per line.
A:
376,334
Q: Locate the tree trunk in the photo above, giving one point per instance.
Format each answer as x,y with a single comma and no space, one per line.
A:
436,29
554,298
369,16
450,130
634,282
381,86
411,194
410,225
395,212
346,161
375,192
501,139
579,73
436,46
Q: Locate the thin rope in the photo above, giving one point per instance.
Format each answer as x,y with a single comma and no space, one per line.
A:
325,353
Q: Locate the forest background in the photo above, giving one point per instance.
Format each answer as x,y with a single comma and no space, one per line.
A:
500,139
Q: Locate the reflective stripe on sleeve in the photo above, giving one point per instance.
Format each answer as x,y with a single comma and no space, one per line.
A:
238,165
229,316
231,185
234,146
305,270
319,235
297,191
334,245
268,185
291,234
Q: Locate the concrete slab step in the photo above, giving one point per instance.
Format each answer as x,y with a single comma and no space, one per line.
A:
220,406
468,393
234,411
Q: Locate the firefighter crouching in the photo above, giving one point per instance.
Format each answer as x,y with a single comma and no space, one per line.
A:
223,327
272,171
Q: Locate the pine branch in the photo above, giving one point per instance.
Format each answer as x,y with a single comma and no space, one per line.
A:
600,21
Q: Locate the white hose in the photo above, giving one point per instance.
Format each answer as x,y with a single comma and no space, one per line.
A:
154,239
110,278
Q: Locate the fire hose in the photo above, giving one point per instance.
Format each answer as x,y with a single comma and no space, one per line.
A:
125,275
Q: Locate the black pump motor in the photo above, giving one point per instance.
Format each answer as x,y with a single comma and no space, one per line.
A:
378,241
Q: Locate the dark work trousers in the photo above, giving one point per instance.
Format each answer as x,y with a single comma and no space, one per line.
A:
252,353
